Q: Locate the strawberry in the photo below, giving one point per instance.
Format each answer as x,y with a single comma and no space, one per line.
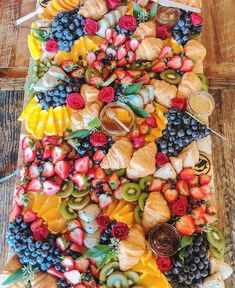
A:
119,39
120,73
121,53
109,33
29,155
197,213
98,66
131,57
185,225
159,67
90,283
29,216
187,174
138,142
82,165
196,193
76,236
99,173
212,209
73,276
114,181
99,155
200,222
134,74
78,73
72,224
37,223
104,201
35,186
91,172
134,133
144,129
62,243
106,186
47,152
62,168
127,80
110,52
50,187
133,44
206,189
100,56
27,142
82,265
182,188
68,65
52,271
90,58
68,263
166,186
58,180
94,271
144,79
171,195
122,63
210,219
193,182
187,65
80,181
179,103
151,122
48,170
156,185
39,229
204,179
33,171
58,154
209,199
175,62
166,52
94,196
103,46
80,286
53,140
77,248
16,211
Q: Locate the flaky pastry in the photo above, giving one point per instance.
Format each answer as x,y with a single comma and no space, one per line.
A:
149,49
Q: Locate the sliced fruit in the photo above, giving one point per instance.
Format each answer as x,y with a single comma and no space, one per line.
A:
117,279
171,195
57,225
215,237
58,115
51,214
39,200
130,191
108,269
187,174
170,76
67,212
185,225
137,215
142,200
49,203
79,203
182,188
79,193
66,118
34,47
76,236
50,128
28,109
66,190
39,131
133,277
145,182
32,119
62,169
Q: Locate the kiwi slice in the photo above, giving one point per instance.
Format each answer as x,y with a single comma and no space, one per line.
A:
142,199
215,237
130,191
144,182
204,82
78,203
119,172
90,72
218,254
132,277
137,215
66,190
170,76
79,193
108,269
117,280
67,212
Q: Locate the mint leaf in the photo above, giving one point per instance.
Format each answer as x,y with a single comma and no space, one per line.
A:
133,89
16,276
101,253
186,241
138,111
78,134
95,123
181,255
137,10
153,11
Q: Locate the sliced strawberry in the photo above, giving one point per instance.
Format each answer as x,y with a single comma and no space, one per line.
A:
99,173
62,168
151,121
76,236
47,152
210,219
37,223
166,52
119,39
104,201
80,180
206,189
90,58
68,263
16,211
82,265
94,271
182,188
58,180
155,185
50,187
193,182
29,155
72,224
204,179
35,186
109,33
122,63
211,209
58,154
144,79
62,243
29,216
187,174
98,66
197,213
134,133
187,65
179,103
185,225
53,140
77,248
127,80
78,73
134,74
120,73
27,142
83,164
138,142
39,229
73,276
52,271
48,170
80,286
68,65
100,56
171,195
121,53
175,62
99,155
144,129
90,283
159,67
196,193
131,57
133,44
33,171
114,181
166,186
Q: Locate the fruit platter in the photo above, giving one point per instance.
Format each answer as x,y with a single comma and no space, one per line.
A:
115,183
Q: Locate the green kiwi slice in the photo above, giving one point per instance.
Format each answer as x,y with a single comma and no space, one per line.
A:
108,269
137,215
170,76
79,193
218,254
130,191
144,182
119,172
215,237
117,279
66,211
66,190
132,277
142,200
78,203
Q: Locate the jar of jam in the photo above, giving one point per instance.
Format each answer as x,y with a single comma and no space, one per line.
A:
168,16
164,240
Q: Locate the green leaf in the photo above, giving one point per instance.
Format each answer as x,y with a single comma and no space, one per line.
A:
39,32
95,123
78,134
16,276
138,111
153,11
40,39
186,241
133,89
97,251
137,10
181,254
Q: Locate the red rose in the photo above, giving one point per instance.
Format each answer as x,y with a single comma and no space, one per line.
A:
179,103
128,22
120,231
98,139
91,26
161,159
162,32
164,264
52,46
106,94
113,3
180,206
102,221
196,19
75,101
39,229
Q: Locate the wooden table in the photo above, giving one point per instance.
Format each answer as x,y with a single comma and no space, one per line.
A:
219,39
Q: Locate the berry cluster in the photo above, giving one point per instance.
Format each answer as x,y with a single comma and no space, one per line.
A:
181,131
126,32
106,234
67,27
181,31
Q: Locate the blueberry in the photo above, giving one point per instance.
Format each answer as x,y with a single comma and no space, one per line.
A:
43,267
191,275
19,220
57,251
81,151
44,254
200,266
79,32
34,254
85,144
59,28
39,251
69,36
69,89
186,31
64,19
72,27
58,35
204,273
45,246
55,23
186,269
181,23
50,93
63,94
193,267
76,22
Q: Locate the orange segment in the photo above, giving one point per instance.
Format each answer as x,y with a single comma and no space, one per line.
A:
64,5
50,9
50,126
57,225
51,202
51,214
28,109
39,200
58,116
32,119
41,124
66,118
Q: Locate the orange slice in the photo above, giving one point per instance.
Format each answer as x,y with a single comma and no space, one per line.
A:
50,128
66,118
51,202
39,200
28,109
57,225
50,9
39,131
74,3
58,116
51,214
63,4
32,119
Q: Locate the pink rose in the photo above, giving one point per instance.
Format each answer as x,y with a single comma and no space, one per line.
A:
113,3
52,46
162,32
196,19
91,26
128,22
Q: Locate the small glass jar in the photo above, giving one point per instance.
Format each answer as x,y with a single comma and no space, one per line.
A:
164,240
201,103
123,113
168,16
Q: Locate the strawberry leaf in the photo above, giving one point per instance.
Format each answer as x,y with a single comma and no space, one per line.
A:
14,277
185,241
138,111
133,89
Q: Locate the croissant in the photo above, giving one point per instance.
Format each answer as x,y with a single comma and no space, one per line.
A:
166,172
164,92
146,29
193,3
195,50
149,49
89,93
143,162
204,145
118,156
189,84
190,155
110,20
94,9
156,211
132,249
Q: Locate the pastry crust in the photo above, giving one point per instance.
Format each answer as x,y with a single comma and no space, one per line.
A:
189,84
94,9
89,93
145,29
119,155
193,3
143,162
149,49
195,50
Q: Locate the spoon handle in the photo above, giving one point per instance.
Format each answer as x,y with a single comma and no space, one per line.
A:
121,124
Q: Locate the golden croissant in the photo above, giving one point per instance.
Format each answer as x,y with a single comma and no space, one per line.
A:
189,84
89,93
195,50
192,3
149,49
132,249
146,29
94,9
164,92
156,211
118,156
142,162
